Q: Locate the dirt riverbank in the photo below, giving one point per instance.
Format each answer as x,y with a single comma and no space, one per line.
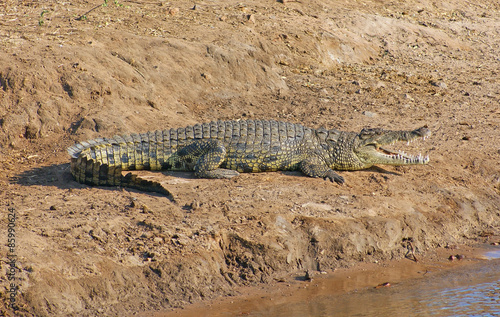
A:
343,283
68,74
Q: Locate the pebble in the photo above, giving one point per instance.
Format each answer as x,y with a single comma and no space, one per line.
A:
386,284
194,205
456,257
173,11
439,84
207,76
309,275
316,206
409,97
251,18
145,209
370,114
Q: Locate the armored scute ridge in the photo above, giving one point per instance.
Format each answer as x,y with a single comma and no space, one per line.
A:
223,149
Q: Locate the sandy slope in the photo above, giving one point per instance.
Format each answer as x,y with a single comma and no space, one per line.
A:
136,66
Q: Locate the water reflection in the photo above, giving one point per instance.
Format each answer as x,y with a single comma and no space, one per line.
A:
467,291
492,255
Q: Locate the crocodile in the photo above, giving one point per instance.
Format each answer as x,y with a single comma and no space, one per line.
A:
223,149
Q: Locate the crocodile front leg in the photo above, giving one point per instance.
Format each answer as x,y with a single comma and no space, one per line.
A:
207,156
315,167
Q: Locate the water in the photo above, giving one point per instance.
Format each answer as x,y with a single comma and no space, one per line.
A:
469,291
492,255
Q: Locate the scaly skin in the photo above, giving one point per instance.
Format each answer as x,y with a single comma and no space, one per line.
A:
222,149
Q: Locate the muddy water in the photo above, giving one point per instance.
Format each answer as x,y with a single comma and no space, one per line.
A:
471,291
433,289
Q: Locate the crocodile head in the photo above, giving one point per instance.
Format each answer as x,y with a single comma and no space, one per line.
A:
368,148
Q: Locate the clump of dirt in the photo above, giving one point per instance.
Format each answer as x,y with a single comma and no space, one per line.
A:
68,74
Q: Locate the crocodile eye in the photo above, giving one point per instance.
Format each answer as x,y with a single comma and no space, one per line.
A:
367,132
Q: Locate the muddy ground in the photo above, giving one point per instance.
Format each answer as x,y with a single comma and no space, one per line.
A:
346,287
70,73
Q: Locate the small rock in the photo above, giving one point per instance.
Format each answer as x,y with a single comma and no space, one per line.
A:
309,275
439,84
251,18
194,205
456,257
133,202
407,96
173,11
145,209
386,284
370,114
207,76
98,235
180,239
318,207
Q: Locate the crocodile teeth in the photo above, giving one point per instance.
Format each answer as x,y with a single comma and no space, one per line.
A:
411,159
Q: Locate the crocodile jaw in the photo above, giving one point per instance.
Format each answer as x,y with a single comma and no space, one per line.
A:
370,150
380,155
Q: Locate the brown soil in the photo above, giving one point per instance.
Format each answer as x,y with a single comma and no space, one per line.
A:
134,66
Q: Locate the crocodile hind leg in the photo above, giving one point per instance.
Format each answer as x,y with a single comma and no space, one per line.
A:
314,167
207,156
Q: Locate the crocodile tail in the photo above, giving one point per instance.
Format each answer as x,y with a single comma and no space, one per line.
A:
101,161
133,181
